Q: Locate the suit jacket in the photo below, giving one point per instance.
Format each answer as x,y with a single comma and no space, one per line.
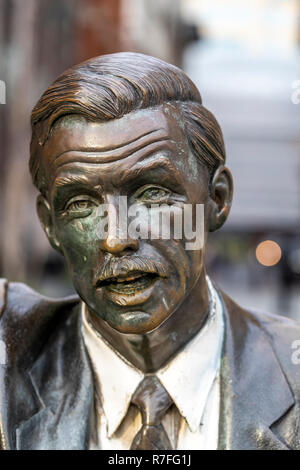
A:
46,383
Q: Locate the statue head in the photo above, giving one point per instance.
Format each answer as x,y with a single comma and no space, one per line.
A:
120,144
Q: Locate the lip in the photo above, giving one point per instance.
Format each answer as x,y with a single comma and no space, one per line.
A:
130,293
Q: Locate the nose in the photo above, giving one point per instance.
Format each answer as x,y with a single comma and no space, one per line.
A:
116,240
117,246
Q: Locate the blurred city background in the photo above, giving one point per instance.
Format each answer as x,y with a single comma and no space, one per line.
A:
244,55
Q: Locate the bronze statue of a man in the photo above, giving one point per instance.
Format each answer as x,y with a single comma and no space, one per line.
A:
151,354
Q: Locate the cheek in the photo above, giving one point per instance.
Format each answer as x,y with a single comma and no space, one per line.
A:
190,265
79,243
185,264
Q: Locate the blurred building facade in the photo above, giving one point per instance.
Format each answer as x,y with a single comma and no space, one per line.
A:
245,68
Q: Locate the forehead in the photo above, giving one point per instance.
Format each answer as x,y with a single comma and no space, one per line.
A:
104,142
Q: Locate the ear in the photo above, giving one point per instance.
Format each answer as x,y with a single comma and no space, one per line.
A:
44,213
220,198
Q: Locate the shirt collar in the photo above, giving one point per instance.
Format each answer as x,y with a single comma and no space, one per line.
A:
188,377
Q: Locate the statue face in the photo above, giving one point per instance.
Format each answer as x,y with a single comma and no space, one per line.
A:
132,284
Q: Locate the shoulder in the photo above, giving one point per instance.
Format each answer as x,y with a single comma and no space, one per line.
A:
282,333
272,324
26,316
19,301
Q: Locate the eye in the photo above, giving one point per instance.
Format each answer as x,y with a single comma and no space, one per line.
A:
152,194
81,207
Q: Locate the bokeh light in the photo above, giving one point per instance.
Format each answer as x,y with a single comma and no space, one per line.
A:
268,253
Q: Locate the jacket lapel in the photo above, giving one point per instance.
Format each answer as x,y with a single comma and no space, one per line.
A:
254,391
62,386
19,402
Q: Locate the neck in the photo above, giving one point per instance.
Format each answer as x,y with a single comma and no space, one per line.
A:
151,351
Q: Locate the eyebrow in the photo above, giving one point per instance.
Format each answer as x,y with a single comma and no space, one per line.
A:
128,175
141,168
61,181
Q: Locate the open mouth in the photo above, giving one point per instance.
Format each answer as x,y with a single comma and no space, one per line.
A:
130,284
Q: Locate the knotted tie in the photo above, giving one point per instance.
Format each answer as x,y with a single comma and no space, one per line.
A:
153,401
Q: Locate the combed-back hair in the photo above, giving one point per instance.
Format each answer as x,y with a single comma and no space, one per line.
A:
111,86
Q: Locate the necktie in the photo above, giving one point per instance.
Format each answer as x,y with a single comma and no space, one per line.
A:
153,401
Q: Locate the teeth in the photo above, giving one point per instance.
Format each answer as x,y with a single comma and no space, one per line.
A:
130,284
130,278
137,285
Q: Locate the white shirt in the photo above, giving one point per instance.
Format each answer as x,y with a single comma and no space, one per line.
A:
191,378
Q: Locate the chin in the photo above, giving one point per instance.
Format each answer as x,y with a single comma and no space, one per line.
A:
134,322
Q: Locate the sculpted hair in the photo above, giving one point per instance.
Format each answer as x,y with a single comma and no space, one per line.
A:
111,86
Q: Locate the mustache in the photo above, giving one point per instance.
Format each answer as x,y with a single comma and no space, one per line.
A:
116,267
